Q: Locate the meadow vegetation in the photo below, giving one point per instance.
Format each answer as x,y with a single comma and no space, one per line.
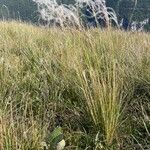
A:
97,81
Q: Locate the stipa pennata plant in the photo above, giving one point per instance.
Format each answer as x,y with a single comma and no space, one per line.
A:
54,13
65,15
97,9
139,26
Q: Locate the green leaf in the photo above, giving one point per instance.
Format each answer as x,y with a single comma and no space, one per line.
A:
56,136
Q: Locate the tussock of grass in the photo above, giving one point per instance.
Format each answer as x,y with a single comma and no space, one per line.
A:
97,81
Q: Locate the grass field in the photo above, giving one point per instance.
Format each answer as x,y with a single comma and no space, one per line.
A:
97,82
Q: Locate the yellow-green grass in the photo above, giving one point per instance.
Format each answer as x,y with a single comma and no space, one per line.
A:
89,77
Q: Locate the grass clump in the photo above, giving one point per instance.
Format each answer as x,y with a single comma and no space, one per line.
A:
98,82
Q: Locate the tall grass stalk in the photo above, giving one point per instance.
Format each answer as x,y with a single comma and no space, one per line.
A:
102,88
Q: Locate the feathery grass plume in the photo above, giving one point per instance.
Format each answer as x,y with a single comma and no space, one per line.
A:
139,26
65,15
62,14
98,10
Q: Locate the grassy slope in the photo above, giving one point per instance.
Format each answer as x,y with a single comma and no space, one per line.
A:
95,80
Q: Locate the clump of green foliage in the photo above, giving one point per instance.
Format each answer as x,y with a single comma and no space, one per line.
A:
98,82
